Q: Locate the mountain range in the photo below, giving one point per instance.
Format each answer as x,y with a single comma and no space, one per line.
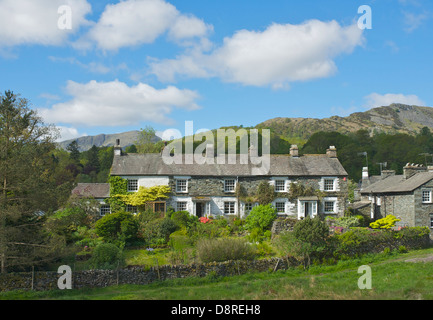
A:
395,118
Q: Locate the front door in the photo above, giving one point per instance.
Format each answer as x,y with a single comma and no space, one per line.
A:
199,209
307,209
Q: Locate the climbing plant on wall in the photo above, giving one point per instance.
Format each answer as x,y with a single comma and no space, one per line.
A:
145,195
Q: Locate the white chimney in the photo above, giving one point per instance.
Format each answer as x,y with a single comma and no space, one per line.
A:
117,148
365,173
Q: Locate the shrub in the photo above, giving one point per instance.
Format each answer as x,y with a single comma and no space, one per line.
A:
261,217
224,249
308,240
107,256
167,227
156,232
385,223
116,226
180,218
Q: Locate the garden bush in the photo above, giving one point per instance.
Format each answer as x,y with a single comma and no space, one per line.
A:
107,256
117,226
385,223
180,218
261,217
224,249
308,241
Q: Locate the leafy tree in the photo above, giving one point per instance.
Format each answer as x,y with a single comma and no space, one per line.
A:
28,187
265,193
145,143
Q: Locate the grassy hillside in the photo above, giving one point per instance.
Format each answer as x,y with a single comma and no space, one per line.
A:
396,118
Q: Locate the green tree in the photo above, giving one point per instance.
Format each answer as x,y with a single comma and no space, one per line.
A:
74,152
145,142
265,193
28,188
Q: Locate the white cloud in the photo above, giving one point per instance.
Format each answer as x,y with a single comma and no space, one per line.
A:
117,104
413,21
276,56
136,22
36,22
67,133
375,100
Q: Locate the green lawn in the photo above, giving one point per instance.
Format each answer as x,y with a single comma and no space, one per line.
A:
392,278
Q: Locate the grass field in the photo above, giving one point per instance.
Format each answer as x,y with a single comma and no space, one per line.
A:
392,279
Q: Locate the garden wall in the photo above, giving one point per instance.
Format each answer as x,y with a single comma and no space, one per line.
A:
41,281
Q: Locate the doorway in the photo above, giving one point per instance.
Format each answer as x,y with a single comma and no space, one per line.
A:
199,209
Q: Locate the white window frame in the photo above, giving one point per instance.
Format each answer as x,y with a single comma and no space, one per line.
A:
279,203
231,188
431,220
184,188
180,204
133,185
104,209
325,184
424,198
277,187
229,207
333,206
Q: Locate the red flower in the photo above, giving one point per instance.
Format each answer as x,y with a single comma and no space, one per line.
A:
204,220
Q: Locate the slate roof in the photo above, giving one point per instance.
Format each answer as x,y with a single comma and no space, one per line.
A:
95,190
397,183
280,165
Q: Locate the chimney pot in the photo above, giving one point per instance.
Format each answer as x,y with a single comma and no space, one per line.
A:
331,152
294,151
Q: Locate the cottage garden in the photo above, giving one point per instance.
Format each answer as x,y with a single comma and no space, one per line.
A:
148,238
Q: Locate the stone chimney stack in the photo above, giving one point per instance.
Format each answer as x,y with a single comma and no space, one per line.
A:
294,151
411,169
117,148
331,152
387,173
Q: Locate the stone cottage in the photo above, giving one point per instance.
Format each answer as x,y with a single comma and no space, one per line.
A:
210,189
407,196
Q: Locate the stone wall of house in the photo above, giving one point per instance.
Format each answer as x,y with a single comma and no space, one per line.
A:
213,187
40,281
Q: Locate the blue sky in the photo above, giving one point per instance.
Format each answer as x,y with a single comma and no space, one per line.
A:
123,65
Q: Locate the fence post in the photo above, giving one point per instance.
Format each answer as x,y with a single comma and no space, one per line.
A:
157,268
33,277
